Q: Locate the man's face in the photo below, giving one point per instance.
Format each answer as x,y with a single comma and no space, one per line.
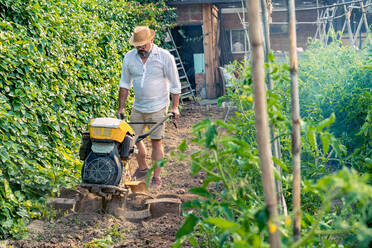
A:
144,50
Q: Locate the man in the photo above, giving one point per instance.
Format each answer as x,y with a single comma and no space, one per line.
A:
152,72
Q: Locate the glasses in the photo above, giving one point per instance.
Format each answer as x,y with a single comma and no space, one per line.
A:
141,47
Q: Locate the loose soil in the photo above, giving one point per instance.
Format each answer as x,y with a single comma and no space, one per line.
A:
104,230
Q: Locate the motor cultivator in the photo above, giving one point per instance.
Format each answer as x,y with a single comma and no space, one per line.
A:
106,150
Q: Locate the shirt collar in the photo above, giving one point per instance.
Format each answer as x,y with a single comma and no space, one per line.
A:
155,49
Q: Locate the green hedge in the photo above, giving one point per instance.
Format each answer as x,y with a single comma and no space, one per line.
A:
60,64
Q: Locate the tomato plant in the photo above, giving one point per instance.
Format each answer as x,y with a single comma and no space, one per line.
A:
337,79
231,211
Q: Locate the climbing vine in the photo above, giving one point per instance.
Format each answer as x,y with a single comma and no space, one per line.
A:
60,64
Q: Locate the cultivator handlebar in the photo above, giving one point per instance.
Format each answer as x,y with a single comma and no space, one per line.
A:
157,124
143,136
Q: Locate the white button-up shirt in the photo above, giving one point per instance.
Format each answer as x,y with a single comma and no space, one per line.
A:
151,81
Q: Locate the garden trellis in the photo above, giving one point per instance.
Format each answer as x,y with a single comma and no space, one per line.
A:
327,16
328,19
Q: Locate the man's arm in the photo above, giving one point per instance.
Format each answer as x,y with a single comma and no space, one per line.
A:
125,84
175,102
175,84
123,95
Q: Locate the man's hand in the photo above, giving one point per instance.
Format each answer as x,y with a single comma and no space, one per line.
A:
176,112
175,101
120,115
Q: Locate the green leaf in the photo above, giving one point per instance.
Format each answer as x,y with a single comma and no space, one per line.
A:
188,226
194,168
277,174
162,162
210,134
8,191
193,242
222,223
210,179
191,204
201,191
325,138
224,238
311,136
177,244
326,123
262,216
282,165
271,57
183,146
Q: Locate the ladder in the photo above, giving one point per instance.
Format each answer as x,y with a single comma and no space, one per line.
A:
186,90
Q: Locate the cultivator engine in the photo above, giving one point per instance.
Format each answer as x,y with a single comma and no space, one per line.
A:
106,173
106,149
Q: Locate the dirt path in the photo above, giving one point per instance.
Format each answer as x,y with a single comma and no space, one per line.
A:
104,230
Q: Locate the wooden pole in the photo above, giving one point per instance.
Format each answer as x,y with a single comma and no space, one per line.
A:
276,143
296,135
364,13
359,28
348,14
262,123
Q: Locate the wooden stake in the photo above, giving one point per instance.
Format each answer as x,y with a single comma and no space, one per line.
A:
262,123
348,14
276,143
296,135
364,13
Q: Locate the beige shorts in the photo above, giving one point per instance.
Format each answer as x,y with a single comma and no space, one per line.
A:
138,116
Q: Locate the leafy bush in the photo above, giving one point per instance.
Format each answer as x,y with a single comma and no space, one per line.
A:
337,79
231,211
60,64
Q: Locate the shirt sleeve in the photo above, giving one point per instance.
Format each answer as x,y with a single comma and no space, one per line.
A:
126,78
172,75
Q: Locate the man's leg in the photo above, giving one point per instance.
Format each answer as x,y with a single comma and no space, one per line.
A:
137,116
141,156
157,144
157,154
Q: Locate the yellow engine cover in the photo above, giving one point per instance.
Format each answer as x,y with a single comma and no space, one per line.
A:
109,129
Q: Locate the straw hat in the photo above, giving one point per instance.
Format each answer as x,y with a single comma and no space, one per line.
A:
141,36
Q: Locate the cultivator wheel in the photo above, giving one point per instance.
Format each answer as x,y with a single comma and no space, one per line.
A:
142,205
136,206
119,201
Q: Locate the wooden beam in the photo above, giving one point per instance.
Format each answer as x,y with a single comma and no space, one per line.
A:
216,49
208,51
